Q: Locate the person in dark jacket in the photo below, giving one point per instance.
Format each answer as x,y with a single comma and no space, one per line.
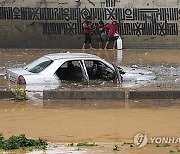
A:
112,34
99,32
87,32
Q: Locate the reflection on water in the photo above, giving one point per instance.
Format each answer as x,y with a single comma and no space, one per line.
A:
91,104
85,104
119,56
155,103
112,104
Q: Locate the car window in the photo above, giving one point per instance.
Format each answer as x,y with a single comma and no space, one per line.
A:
98,70
70,71
38,65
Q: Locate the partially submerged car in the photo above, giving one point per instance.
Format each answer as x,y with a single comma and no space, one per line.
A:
55,68
78,67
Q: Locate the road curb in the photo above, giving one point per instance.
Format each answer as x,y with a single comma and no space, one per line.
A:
6,94
101,94
155,94
83,94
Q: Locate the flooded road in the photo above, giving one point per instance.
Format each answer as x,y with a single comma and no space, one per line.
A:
164,64
104,122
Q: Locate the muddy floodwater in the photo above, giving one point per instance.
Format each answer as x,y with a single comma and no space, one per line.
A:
104,122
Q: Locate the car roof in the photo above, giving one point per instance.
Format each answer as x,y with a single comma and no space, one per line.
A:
69,55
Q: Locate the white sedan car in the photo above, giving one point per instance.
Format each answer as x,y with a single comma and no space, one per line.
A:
78,67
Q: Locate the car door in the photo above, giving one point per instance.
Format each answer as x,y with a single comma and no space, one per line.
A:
72,71
84,72
98,71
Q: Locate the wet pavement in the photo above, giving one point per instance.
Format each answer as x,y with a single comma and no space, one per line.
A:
104,122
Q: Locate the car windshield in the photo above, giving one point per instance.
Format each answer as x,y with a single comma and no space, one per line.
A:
38,65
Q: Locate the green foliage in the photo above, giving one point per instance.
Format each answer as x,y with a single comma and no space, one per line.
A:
71,144
86,144
11,143
16,142
158,145
19,94
163,145
172,151
1,140
128,143
178,150
166,145
116,147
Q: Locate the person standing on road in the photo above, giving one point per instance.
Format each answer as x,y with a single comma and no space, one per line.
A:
87,32
112,34
99,32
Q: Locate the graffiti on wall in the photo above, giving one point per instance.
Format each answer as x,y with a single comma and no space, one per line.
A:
68,21
110,3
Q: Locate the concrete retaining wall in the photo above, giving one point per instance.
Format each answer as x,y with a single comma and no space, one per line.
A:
104,95
100,95
58,23
6,94
80,94
154,94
